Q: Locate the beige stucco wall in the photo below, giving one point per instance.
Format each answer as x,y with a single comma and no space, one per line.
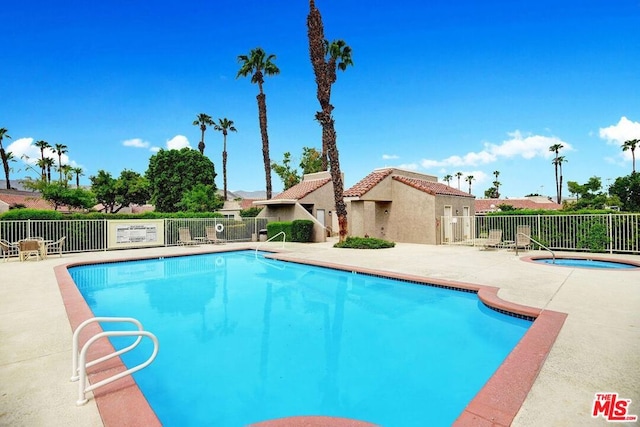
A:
4,207
290,212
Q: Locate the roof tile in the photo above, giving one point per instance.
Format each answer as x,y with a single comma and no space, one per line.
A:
430,187
367,183
302,189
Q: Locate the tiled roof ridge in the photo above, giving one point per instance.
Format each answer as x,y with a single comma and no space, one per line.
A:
302,189
431,187
367,183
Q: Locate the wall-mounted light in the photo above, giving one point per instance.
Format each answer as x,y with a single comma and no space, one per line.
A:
386,211
329,213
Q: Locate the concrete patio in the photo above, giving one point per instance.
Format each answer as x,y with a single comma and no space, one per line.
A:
597,350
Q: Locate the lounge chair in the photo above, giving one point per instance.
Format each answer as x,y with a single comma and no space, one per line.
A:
523,238
212,235
8,249
29,248
56,247
494,240
184,237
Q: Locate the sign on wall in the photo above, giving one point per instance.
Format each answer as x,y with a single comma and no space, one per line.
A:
135,233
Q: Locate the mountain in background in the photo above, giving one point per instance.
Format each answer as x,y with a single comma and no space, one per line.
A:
254,195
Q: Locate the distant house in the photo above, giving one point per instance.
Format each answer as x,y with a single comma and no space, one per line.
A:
405,206
10,199
311,199
484,206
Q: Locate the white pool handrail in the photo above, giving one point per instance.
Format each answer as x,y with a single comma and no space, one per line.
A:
284,239
80,365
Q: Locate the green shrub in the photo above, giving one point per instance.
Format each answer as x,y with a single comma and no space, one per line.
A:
274,228
364,243
301,230
593,236
23,214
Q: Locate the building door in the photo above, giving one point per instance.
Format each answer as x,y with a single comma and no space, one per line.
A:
320,216
447,224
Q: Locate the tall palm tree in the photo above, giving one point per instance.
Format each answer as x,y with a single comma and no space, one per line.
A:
556,149
469,179
60,149
224,125
67,173
447,179
10,159
558,161
78,172
48,162
3,155
631,144
496,184
42,145
203,120
458,175
326,59
258,65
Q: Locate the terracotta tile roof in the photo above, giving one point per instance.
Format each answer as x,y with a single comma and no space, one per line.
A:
28,199
430,187
302,189
484,205
367,183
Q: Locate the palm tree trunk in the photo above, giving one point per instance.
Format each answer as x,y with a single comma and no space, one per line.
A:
5,165
560,186
224,169
262,115
557,183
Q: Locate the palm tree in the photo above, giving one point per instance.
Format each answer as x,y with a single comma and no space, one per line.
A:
558,164
458,175
556,149
10,159
469,178
203,120
224,125
48,164
258,64
3,155
42,145
67,173
632,144
326,59
60,149
447,179
78,171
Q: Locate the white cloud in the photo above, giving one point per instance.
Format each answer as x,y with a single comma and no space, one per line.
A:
408,166
623,131
178,142
135,142
390,157
24,149
527,147
154,149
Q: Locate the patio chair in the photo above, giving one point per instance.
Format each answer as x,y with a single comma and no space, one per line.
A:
494,240
29,248
212,235
184,237
8,249
56,247
523,238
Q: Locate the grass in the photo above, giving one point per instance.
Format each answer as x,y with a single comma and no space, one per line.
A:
364,243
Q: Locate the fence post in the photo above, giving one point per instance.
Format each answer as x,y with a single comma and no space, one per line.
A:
610,233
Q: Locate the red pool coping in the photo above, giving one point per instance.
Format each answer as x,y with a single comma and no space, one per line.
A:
122,403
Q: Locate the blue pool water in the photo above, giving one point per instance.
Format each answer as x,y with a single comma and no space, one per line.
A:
245,339
585,263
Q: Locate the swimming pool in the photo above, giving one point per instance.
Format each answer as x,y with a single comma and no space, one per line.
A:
279,339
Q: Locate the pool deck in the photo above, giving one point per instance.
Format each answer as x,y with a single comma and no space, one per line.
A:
597,349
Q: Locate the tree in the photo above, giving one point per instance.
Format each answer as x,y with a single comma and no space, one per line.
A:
10,158
59,194
288,175
172,173
201,198
42,145
556,149
491,193
202,120
311,161
115,194
258,64
67,173
458,175
447,178
3,155
496,184
469,179
627,189
590,194
224,125
48,163
326,58
631,144
78,172
60,149
558,165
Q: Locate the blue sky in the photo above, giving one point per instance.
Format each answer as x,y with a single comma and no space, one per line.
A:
438,87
